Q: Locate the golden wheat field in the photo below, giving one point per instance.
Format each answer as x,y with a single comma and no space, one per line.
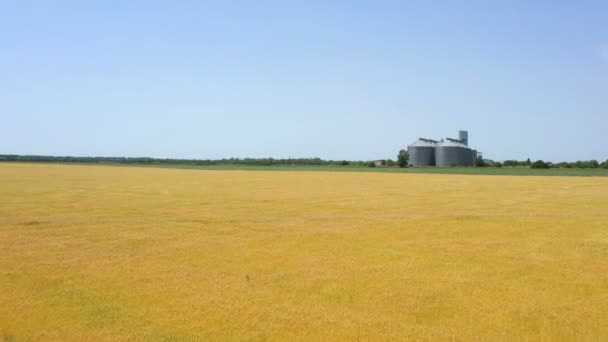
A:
118,253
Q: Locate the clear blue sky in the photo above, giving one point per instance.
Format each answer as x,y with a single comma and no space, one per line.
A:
330,79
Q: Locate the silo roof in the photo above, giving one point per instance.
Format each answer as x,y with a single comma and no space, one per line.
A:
451,143
423,143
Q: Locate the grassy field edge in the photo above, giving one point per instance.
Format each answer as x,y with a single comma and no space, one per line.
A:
503,171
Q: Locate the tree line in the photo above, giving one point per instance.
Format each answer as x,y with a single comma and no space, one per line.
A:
540,164
148,160
402,161
581,164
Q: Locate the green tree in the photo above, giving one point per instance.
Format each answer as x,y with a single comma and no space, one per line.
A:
539,164
402,158
528,162
479,162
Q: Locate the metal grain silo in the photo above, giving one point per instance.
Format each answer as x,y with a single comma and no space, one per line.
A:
422,152
453,152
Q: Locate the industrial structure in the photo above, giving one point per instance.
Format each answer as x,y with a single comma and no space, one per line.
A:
448,152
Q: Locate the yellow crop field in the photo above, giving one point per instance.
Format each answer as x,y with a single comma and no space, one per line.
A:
119,253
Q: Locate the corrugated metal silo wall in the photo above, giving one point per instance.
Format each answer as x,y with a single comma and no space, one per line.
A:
421,155
448,155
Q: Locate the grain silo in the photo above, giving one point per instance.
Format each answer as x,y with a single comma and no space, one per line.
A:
453,152
422,152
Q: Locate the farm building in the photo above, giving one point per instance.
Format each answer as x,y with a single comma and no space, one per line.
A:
448,152
379,163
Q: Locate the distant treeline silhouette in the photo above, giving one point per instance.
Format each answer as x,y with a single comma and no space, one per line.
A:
147,160
272,161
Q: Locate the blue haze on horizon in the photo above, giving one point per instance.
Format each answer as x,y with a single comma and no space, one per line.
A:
354,80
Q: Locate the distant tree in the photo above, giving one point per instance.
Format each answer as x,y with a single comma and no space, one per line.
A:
528,162
344,163
498,164
479,162
402,158
586,164
371,164
605,164
390,162
539,164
